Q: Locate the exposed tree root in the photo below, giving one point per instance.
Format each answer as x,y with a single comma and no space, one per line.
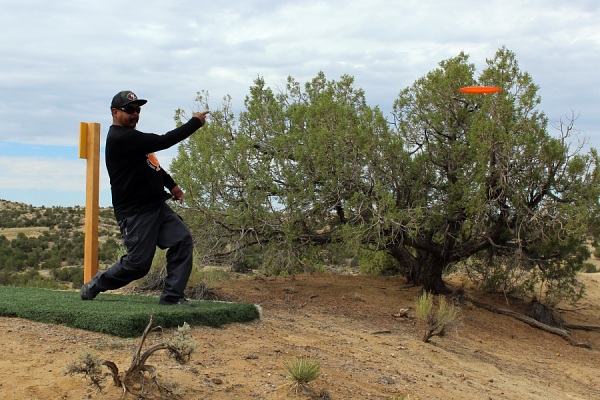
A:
532,322
589,328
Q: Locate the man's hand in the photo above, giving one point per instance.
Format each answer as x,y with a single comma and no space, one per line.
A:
177,194
201,116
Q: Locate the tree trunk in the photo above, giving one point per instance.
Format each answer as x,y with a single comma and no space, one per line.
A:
430,277
425,269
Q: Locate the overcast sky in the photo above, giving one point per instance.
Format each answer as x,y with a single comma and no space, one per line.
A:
62,61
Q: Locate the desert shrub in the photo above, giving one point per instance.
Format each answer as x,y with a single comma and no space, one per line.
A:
69,274
89,365
198,284
302,371
589,268
108,249
182,345
140,379
52,263
282,262
29,278
493,275
198,287
437,319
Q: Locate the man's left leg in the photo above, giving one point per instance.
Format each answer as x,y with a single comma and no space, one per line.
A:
176,237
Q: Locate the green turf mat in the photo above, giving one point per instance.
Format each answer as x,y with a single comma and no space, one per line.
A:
115,314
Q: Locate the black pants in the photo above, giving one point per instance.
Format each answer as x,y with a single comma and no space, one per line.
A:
142,233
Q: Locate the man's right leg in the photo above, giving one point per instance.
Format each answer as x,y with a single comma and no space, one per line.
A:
140,233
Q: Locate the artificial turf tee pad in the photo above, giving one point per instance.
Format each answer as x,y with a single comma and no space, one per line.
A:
115,314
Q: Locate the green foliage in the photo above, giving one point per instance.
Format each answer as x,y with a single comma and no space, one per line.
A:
198,286
302,370
453,177
19,215
512,193
48,239
29,278
240,176
108,249
249,259
119,315
377,263
69,274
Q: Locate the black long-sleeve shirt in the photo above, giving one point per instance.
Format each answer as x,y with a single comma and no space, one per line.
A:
137,182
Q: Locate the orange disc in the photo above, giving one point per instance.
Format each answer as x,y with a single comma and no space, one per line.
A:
480,89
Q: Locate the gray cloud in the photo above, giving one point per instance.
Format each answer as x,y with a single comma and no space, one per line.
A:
62,61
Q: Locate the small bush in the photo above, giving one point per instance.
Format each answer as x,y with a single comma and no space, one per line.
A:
89,365
140,379
302,371
198,286
69,274
436,319
182,345
589,268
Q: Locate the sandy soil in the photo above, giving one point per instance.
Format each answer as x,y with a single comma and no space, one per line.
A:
351,325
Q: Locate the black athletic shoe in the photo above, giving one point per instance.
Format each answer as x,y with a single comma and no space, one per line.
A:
88,291
179,302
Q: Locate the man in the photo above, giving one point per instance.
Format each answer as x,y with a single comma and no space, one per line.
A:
138,183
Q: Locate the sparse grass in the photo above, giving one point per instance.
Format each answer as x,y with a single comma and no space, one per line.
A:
437,319
32,231
112,344
198,284
302,371
212,274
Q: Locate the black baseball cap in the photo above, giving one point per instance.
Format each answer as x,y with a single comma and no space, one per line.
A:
124,98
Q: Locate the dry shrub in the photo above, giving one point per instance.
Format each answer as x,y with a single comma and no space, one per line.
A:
437,319
140,378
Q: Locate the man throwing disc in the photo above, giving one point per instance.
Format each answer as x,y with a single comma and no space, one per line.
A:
138,183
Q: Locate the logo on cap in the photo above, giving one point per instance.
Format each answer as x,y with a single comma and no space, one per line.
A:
131,96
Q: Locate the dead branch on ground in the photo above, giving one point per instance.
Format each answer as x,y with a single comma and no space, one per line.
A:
532,322
140,379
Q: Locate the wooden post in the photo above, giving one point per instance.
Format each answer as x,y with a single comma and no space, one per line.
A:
89,148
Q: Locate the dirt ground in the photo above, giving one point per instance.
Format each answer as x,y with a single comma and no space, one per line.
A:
351,325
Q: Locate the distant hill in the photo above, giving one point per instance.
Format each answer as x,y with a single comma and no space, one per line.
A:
43,246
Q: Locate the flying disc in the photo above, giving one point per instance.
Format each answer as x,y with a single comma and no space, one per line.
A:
480,89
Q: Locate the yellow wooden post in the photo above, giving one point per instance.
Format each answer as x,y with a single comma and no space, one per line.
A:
89,148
